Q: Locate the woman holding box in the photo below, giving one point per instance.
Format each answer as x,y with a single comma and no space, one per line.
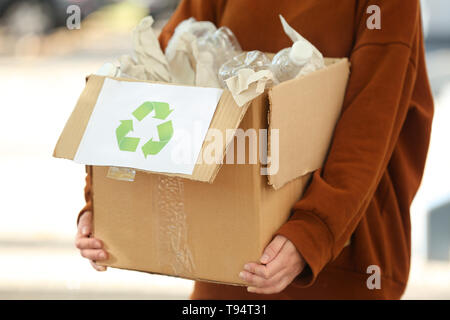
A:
363,192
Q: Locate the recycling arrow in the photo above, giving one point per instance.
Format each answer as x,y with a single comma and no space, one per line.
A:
165,133
126,143
165,130
162,110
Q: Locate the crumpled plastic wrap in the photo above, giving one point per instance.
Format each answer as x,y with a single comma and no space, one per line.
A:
248,84
150,63
188,64
130,69
180,55
205,75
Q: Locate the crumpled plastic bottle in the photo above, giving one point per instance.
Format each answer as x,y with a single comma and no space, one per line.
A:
196,28
200,28
222,45
197,50
255,60
289,62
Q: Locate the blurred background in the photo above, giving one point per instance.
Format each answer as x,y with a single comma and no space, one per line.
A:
42,70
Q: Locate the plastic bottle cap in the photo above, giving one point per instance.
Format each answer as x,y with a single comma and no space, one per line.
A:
301,52
108,69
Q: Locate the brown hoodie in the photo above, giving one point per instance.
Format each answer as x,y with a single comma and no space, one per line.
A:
364,191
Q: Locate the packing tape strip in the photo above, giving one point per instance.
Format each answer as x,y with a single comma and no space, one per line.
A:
121,174
173,247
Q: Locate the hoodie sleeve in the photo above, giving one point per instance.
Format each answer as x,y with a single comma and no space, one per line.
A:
87,195
375,107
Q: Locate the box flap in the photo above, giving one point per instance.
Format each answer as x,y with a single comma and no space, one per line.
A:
73,131
304,139
227,115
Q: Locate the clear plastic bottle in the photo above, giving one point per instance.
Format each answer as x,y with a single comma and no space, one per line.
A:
226,39
196,28
288,63
212,48
201,28
255,60
221,44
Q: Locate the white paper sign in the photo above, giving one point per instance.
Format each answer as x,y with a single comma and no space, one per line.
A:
146,126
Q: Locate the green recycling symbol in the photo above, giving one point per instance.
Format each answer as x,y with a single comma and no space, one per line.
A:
151,147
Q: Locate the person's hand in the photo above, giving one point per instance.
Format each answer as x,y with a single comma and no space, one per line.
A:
280,264
90,248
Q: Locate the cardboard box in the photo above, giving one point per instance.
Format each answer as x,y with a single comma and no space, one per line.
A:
207,225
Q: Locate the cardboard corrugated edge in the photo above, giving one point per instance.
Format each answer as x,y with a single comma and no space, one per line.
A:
304,140
227,115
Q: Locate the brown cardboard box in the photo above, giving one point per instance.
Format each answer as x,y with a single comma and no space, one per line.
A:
208,225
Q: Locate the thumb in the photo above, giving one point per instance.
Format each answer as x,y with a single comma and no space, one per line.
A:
85,224
272,249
